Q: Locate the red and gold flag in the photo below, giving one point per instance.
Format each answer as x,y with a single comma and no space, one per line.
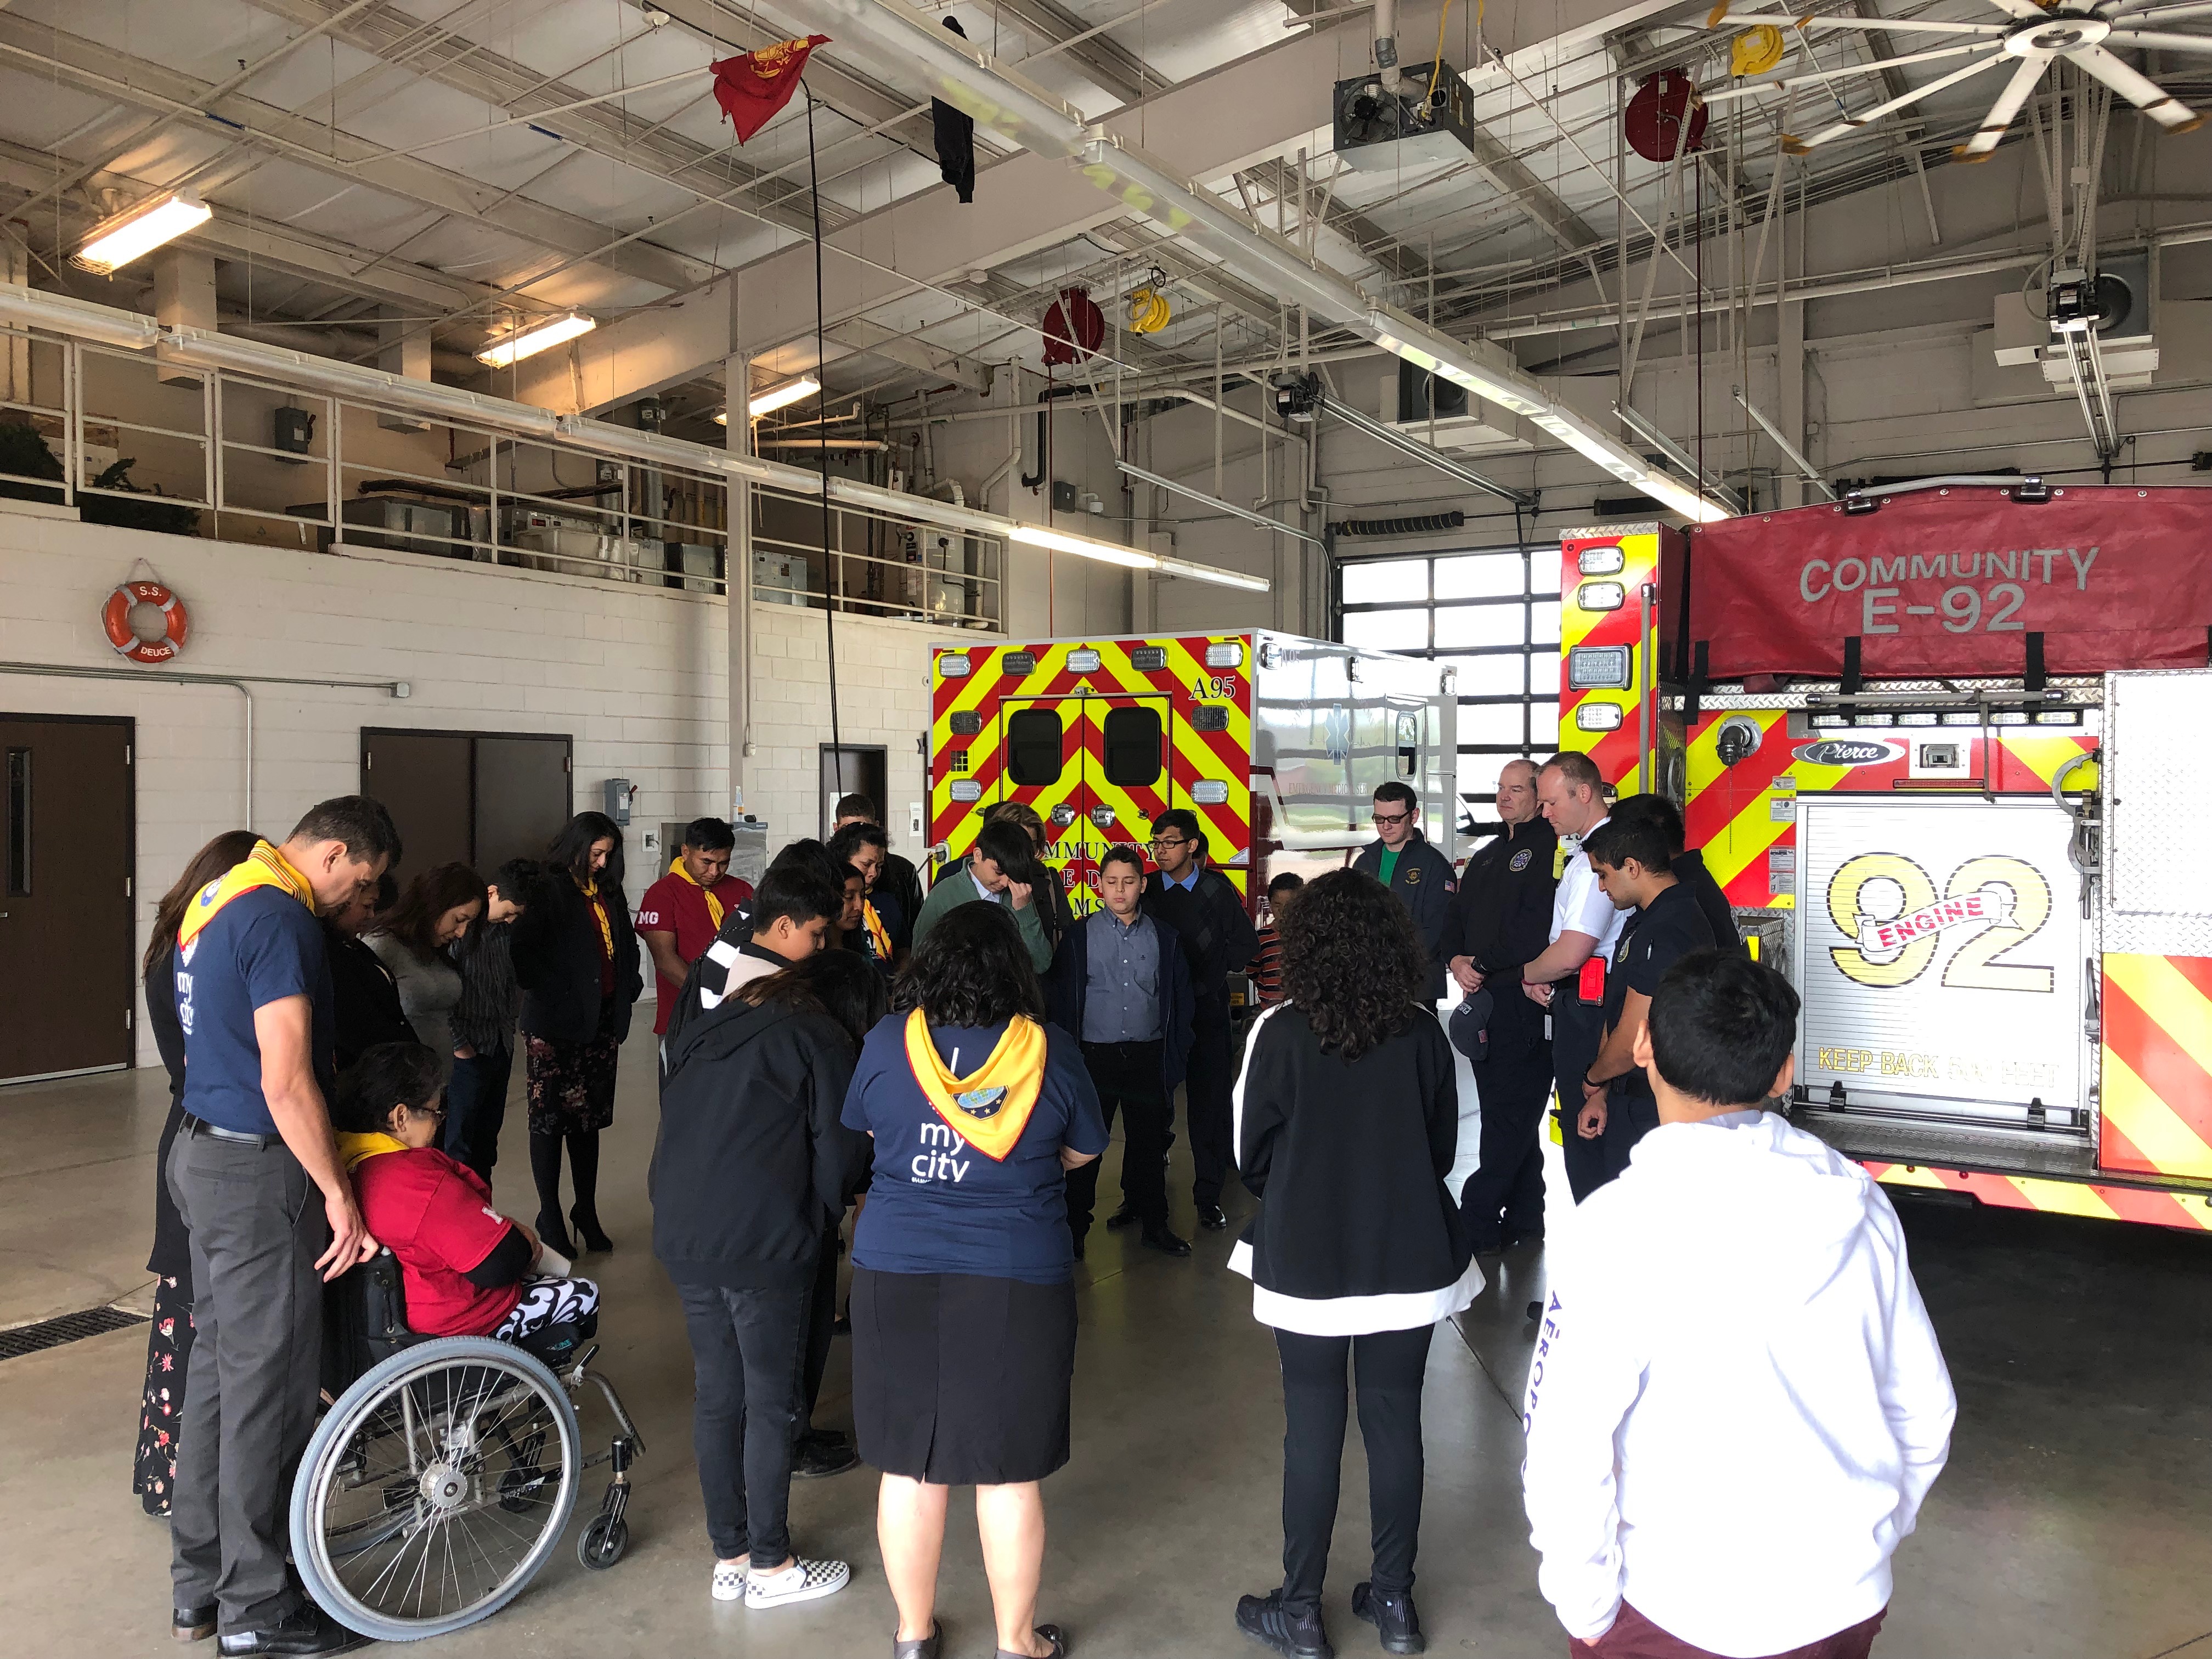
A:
753,86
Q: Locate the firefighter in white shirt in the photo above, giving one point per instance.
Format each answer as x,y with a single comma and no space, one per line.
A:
1736,1404
1584,926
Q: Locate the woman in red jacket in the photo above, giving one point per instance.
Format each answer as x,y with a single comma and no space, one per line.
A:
469,1270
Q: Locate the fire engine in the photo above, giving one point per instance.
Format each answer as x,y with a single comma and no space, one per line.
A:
1943,748
1276,743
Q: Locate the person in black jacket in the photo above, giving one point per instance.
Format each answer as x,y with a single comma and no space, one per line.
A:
575,959
364,997
1401,858
1688,866
1347,1120
1119,983
751,1169
1204,907
1500,919
169,1336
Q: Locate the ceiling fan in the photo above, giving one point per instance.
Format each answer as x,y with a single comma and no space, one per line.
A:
2081,32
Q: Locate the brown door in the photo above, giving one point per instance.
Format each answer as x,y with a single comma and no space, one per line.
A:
66,928
522,794
422,779
473,798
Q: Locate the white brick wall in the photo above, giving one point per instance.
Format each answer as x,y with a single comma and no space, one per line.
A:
635,676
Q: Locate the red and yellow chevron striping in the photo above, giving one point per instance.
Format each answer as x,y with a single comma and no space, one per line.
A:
2189,1210
1598,609
2157,1099
1204,726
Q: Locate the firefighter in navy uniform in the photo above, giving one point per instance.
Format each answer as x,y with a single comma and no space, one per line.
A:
1500,919
1401,858
1205,908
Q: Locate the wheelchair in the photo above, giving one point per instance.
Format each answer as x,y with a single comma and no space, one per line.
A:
443,1478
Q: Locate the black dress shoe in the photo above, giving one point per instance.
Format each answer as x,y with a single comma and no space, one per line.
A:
1053,1634
309,1630
1392,1617
922,1646
1525,1241
192,1624
555,1237
816,1460
588,1230
1124,1217
1294,1635
1211,1218
1157,1237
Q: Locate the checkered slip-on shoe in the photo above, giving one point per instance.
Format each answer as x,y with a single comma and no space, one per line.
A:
803,1580
729,1583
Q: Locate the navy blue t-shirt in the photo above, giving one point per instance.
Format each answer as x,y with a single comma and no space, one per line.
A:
937,1205
263,946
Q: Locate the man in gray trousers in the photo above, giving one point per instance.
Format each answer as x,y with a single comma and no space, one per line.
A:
253,996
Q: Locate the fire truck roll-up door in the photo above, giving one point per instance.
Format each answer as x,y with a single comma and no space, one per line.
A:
1941,957
1094,766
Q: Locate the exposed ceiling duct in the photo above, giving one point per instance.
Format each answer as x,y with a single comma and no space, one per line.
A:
1024,113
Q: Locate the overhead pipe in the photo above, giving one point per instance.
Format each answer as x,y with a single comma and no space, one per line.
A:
1386,46
205,348
1025,113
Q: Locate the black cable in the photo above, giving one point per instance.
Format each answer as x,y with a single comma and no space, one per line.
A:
822,431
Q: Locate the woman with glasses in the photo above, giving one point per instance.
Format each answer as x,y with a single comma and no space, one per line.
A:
1347,1120
469,1271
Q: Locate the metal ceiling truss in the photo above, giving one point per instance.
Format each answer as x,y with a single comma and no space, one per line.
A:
97,67
603,129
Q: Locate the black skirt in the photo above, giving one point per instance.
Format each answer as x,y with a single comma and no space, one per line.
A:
959,1380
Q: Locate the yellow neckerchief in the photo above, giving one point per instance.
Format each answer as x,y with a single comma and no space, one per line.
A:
591,891
713,904
265,866
876,932
357,1150
990,1107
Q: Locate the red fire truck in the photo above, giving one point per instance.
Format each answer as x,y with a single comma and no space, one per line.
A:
1942,747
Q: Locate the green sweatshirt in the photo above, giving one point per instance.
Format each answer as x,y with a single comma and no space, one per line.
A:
957,887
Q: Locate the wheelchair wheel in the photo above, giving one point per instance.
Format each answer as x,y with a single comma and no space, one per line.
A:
435,1488
603,1542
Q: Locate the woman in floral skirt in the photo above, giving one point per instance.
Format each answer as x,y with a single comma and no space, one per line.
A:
169,1343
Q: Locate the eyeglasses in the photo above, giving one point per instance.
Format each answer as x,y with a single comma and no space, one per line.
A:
438,1112
1390,820
1162,841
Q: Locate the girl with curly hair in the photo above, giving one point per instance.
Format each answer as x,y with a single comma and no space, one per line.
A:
1347,1119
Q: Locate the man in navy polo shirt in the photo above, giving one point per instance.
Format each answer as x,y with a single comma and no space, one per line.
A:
253,996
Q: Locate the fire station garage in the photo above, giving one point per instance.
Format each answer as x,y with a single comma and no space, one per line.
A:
609,503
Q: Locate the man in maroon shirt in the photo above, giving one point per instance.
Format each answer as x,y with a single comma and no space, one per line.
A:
682,913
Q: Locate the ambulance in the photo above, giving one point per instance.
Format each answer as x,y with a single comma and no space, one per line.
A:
1276,743
1942,747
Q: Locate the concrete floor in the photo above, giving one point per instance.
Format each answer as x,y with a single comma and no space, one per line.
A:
2071,1522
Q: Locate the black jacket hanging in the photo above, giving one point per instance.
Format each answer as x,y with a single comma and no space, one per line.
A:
956,137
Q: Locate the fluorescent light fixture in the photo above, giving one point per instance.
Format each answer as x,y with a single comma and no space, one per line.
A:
539,336
1214,574
790,391
722,417
1679,498
1082,547
116,242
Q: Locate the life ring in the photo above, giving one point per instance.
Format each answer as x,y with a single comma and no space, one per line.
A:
115,618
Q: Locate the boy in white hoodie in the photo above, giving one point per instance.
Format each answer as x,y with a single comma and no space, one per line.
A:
1737,1403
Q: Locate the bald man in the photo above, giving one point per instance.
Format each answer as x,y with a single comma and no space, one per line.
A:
1500,920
